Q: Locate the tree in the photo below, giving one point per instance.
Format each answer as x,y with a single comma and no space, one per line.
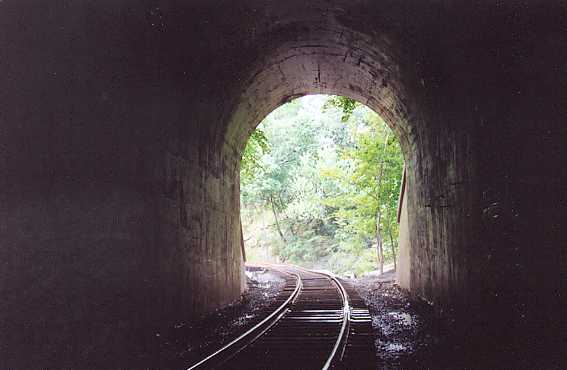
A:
321,183
346,105
256,147
374,173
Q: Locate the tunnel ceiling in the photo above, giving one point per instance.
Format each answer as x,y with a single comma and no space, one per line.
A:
323,61
323,50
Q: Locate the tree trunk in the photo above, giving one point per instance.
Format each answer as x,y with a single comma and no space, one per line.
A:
379,248
242,241
276,218
393,249
391,237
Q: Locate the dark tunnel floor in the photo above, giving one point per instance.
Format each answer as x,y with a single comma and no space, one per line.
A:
408,334
186,342
406,331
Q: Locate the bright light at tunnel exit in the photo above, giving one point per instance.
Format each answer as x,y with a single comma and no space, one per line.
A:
320,186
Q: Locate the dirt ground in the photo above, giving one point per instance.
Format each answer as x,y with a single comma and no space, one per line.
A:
408,334
185,343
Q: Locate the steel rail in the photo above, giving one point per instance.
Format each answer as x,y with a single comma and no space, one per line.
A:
255,332
340,344
342,339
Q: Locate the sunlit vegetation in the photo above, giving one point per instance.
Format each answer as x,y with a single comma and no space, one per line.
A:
320,182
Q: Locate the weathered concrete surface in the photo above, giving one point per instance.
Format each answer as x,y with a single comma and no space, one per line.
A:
403,267
121,125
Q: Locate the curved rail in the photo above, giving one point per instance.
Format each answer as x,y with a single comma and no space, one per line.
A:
342,339
340,344
253,333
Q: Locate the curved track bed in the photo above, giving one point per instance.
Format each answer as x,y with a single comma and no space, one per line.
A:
321,324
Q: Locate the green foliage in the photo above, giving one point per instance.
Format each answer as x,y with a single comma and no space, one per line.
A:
347,105
256,147
371,175
312,196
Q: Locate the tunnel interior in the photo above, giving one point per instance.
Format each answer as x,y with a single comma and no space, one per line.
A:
123,123
333,62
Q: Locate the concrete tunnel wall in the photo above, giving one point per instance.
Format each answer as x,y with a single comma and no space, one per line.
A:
403,263
122,124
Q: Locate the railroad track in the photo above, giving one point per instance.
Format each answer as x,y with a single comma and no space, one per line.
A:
321,323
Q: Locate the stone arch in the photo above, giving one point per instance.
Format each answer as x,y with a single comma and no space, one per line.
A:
342,61
327,61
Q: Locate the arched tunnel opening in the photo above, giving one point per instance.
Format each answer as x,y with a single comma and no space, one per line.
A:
320,187
122,125
369,73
